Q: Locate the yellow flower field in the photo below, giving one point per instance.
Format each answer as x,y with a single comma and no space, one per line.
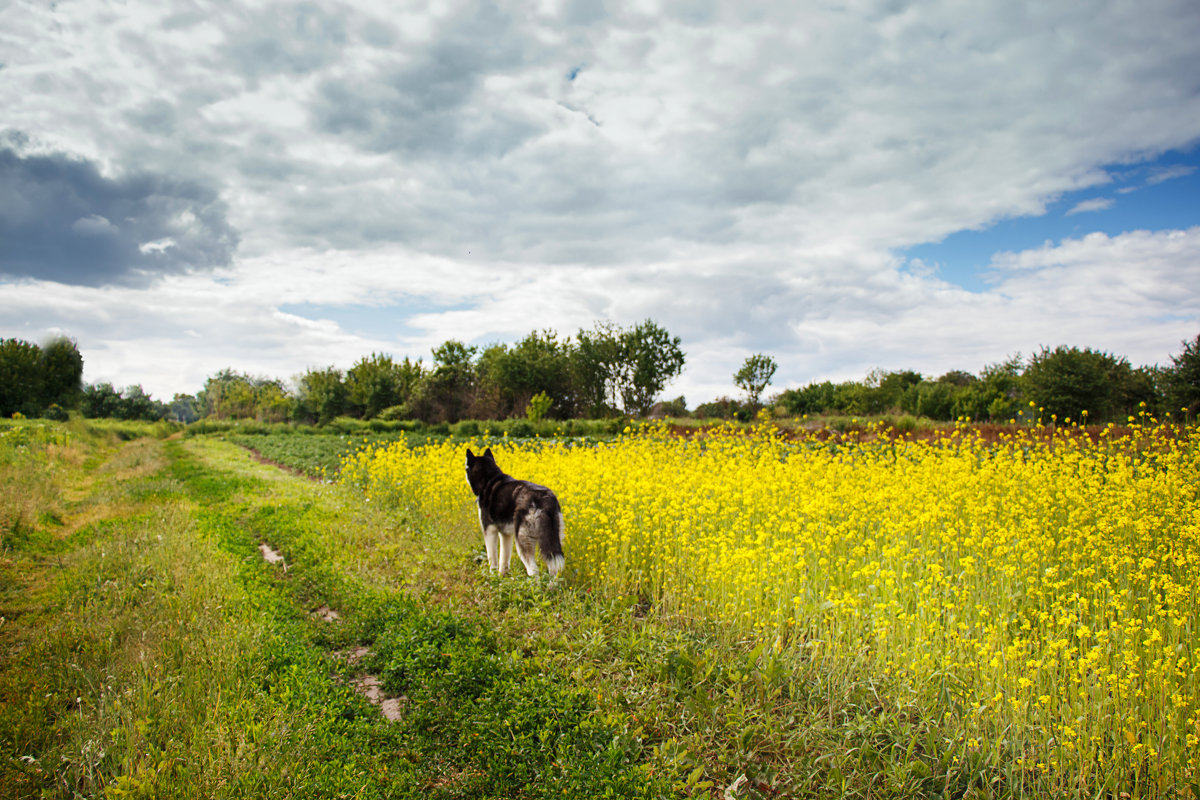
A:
1039,592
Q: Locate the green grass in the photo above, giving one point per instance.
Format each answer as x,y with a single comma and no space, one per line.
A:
148,651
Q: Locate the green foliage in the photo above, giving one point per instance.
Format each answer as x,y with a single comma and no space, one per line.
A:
398,412
674,408
1183,378
997,395
723,408
183,408
616,368
754,377
808,400
102,401
466,428
1066,381
322,396
652,358
56,413
444,395
20,378
61,366
509,377
136,404
932,399
32,378
595,363
539,406
234,395
376,383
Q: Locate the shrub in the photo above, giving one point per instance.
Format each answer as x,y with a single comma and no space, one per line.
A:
56,413
467,428
402,411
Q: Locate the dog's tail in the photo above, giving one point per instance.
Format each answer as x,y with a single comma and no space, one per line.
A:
551,540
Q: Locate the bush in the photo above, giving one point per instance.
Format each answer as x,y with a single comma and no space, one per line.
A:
347,425
56,413
467,428
520,429
722,408
392,413
539,406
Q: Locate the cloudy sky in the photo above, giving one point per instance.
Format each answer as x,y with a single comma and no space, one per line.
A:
187,186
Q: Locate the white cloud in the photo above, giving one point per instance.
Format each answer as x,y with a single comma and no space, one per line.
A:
742,174
833,314
1170,173
1095,204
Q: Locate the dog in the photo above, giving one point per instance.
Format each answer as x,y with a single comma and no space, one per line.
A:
511,509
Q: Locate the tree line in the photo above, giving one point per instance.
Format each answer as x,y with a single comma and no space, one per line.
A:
1064,384
606,371
39,381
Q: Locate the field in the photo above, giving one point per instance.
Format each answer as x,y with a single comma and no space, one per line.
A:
743,614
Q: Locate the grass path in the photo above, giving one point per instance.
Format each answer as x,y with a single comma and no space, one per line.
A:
148,650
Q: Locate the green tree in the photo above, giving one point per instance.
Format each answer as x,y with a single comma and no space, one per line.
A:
853,397
378,382
595,364
1138,389
996,395
137,404
886,389
651,358
1183,378
235,395
322,395
932,399
272,401
540,363
183,408
227,395
1066,381
445,393
674,408
958,378
813,398
20,378
61,366
754,377
538,407
722,408
508,377
100,401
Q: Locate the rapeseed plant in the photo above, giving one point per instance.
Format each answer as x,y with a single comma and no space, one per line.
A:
1038,592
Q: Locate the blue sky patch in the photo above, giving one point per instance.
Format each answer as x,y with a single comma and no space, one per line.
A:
1158,195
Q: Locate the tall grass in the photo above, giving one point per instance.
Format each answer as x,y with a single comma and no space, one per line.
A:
1035,596
30,452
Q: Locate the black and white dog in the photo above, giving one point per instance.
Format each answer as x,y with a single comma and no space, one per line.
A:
512,509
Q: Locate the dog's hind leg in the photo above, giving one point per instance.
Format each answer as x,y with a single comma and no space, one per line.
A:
527,551
506,548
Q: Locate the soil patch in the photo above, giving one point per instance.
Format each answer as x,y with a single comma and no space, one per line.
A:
369,687
271,555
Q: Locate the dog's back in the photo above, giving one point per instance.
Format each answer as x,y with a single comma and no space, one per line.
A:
511,508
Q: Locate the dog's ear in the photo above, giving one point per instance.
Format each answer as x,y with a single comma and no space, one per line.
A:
470,456
488,454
